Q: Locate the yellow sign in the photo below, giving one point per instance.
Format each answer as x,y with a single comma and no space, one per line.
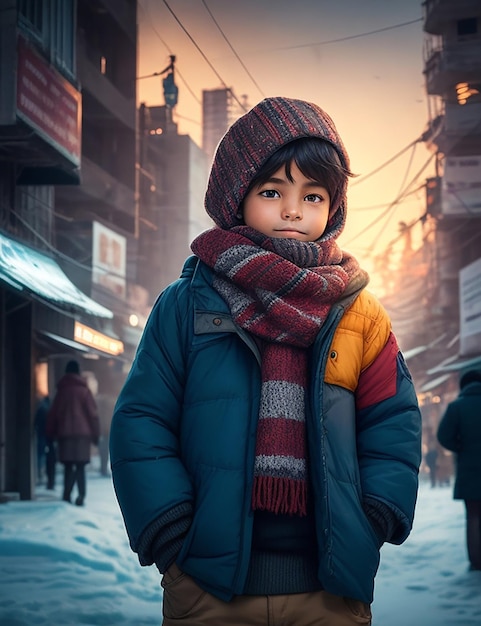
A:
90,337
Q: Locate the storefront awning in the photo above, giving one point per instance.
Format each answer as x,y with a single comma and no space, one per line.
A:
76,345
70,343
412,352
456,364
435,382
28,270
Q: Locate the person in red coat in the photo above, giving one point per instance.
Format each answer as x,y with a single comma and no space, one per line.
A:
74,423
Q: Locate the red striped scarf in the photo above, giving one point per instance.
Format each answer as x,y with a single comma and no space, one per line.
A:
281,291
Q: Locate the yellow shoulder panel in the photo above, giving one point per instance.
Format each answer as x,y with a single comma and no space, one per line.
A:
360,336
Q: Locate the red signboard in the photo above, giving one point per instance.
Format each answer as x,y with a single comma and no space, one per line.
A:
48,102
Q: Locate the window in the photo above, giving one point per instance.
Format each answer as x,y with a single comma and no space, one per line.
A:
34,206
465,91
32,12
62,33
468,26
52,22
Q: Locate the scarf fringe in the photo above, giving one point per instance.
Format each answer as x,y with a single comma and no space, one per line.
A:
280,495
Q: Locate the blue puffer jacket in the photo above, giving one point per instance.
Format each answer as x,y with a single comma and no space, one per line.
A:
184,431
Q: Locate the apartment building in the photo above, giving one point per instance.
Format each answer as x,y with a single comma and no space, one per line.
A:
451,253
68,208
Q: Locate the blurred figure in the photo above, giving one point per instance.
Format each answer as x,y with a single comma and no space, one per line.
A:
444,467
431,459
105,404
431,454
46,453
460,432
73,421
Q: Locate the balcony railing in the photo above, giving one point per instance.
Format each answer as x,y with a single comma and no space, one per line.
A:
452,63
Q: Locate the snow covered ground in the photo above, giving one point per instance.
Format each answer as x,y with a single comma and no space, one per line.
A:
63,565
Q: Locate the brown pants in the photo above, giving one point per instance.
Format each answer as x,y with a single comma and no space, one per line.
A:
185,603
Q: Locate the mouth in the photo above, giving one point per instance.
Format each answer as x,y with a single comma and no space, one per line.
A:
289,231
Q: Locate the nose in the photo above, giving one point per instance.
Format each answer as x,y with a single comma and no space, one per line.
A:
291,211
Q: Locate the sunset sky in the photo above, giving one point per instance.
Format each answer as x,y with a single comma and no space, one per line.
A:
327,52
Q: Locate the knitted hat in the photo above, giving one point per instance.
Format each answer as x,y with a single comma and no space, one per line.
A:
251,140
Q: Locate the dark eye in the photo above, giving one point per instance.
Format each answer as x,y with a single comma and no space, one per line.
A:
314,197
269,193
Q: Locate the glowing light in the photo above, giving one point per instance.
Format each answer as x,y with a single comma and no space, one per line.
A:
464,91
90,337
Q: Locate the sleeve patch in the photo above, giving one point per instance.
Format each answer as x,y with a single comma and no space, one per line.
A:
378,382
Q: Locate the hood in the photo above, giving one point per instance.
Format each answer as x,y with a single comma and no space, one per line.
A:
251,140
471,389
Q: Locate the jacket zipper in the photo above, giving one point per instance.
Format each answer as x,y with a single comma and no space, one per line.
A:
319,356
245,554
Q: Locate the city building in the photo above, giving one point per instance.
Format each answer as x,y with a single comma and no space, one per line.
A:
68,209
97,222
451,255
220,108
173,172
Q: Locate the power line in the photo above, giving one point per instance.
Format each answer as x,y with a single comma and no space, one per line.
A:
375,171
329,41
393,203
386,163
411,158
360,180
204,56
150,20
408,227
376,207
370,250
390,209
400,194
38,237
232,48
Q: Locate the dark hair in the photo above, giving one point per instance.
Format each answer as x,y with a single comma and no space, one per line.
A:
472,376
316,158
72,367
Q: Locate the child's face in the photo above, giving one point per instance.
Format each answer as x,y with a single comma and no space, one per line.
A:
294,210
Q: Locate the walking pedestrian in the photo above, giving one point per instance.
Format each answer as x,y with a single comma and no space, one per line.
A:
73,421
267,440
460,431
105,404
46,453
431,456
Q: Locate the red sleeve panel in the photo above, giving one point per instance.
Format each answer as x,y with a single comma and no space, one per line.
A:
378,381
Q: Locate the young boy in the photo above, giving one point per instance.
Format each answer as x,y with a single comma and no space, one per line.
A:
267,440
